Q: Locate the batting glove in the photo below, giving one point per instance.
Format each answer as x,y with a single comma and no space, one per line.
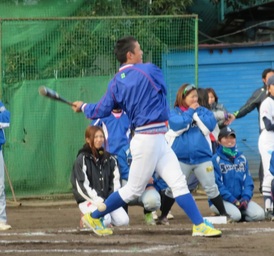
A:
236,203
243,204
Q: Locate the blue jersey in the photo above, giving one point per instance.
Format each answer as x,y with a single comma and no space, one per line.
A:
232,178
139,90
4,122
116,130
192,146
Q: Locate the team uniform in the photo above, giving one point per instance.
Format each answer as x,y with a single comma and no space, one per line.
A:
116,130
266,146
235,185
97,178
150,199
140,91
192,146
4,123
148,111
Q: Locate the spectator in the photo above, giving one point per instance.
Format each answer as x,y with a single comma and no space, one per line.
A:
220,114
234,180
253,102
266,145
95,174
192,124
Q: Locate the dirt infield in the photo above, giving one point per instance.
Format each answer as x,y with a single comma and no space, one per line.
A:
52,229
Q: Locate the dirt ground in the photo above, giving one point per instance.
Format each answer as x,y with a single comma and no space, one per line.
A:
46,227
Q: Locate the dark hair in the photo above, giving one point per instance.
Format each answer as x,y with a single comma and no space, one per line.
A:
203,97
123,46
266,71
181,95
90,133
213,92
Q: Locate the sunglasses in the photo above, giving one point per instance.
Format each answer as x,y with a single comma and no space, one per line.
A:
189,88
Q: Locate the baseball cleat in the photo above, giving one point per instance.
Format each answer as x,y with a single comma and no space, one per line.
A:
269,215
4,226
162,221
170,216
205,230
96,225
149,219
155,216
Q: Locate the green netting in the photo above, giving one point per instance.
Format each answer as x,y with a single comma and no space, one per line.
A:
73,56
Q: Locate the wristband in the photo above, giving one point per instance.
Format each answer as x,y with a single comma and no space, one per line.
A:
236,113
83,107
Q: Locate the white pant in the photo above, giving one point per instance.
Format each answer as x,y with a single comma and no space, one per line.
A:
118,217
253,212
266,146
150,199
150,152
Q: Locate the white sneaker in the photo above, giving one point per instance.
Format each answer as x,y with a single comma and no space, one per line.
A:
170,216
4,226
154,215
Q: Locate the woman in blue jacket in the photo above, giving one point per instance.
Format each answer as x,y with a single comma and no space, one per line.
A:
234,180
190,125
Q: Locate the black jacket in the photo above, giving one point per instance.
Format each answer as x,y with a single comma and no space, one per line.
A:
253,102
95,176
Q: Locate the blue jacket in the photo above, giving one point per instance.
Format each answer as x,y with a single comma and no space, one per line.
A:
232,178
116,130
191,147
139,90
4,122
124,159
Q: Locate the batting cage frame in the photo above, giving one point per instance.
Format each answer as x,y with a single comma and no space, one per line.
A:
74,56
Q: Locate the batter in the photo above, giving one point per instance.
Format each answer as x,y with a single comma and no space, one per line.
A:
140,90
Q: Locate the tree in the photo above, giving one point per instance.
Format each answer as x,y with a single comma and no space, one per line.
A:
237,5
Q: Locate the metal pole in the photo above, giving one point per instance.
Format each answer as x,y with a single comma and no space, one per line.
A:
196,51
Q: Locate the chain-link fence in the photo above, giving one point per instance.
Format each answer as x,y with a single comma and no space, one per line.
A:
73,56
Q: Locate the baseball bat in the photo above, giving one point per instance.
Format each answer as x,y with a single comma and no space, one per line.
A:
100,206
47,92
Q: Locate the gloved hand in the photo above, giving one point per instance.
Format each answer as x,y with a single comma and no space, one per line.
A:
243,204
236,203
